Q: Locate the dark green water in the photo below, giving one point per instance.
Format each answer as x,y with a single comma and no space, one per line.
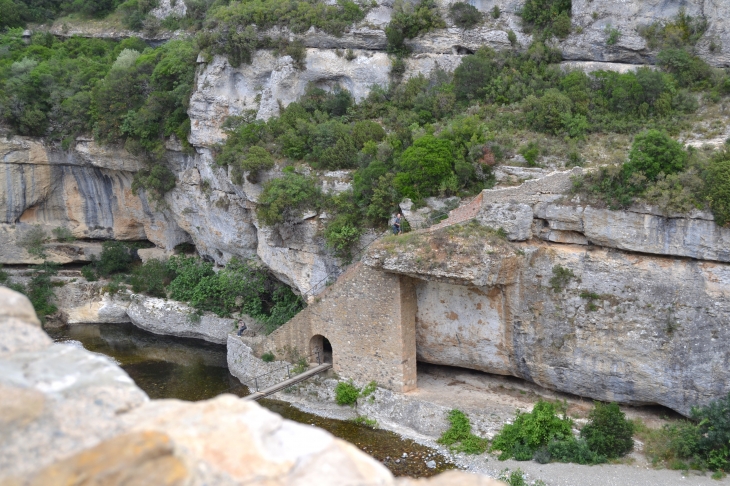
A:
190,369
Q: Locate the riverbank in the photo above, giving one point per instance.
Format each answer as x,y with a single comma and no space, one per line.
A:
490,401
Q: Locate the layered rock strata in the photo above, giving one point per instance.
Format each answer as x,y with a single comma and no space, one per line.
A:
594,322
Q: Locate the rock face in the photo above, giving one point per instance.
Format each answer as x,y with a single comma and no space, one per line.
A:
67,414
598,323
162,316
86,190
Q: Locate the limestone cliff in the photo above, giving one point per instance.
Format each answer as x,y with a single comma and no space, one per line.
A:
610,322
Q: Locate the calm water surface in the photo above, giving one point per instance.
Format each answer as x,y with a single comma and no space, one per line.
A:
190,369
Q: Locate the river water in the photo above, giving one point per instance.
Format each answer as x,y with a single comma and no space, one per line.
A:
190,369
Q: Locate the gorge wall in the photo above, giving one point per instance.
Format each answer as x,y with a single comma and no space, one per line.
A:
627,306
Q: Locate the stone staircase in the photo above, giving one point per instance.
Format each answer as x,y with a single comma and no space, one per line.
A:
462,213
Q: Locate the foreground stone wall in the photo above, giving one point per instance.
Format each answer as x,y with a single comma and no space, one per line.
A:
637,329
367,316
70,415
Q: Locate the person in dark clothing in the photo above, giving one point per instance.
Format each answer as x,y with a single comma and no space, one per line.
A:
396,224
242,328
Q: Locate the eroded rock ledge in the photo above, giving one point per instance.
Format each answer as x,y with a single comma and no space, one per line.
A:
68,413
595,322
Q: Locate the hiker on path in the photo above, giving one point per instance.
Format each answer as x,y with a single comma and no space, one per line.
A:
396,224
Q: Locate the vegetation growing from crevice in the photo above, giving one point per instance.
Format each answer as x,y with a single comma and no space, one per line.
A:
409,20
561,278
459,437
467,16
548,17
682,31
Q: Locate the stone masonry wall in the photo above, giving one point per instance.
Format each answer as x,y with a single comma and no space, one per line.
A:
368,317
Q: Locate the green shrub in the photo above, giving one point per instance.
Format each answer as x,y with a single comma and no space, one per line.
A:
688,70
151,278
63,234
574,450
156,181
607,432
40,289
683,30
530,152
33,241
612,35
268,357
287,198
466,16
366,422
496,12
89,273
369,389
459,437
409,20
116,257
533,430
548,113
4,276
718,187
423,167
346,393
543,14
285,304
561,278
714,431
654,152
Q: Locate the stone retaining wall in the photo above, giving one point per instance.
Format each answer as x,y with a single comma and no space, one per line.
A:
369,319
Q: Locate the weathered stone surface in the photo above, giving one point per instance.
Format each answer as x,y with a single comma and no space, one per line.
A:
171,318
135,458
57,398
368,318
514,219
631,328
641,229
86,190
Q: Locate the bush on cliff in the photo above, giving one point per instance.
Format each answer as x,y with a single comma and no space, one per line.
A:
288,198
409,20
718,187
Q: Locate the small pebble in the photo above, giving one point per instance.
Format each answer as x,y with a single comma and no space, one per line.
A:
431,464
398,461
405,455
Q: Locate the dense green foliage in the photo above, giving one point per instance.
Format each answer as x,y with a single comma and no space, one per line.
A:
122,91
39,290
287,198
530,431
544,436
346,393
608,433
15,13
467,16
409,20
240,287
549,16
702,443
459,437
684,30
661,172
151,278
